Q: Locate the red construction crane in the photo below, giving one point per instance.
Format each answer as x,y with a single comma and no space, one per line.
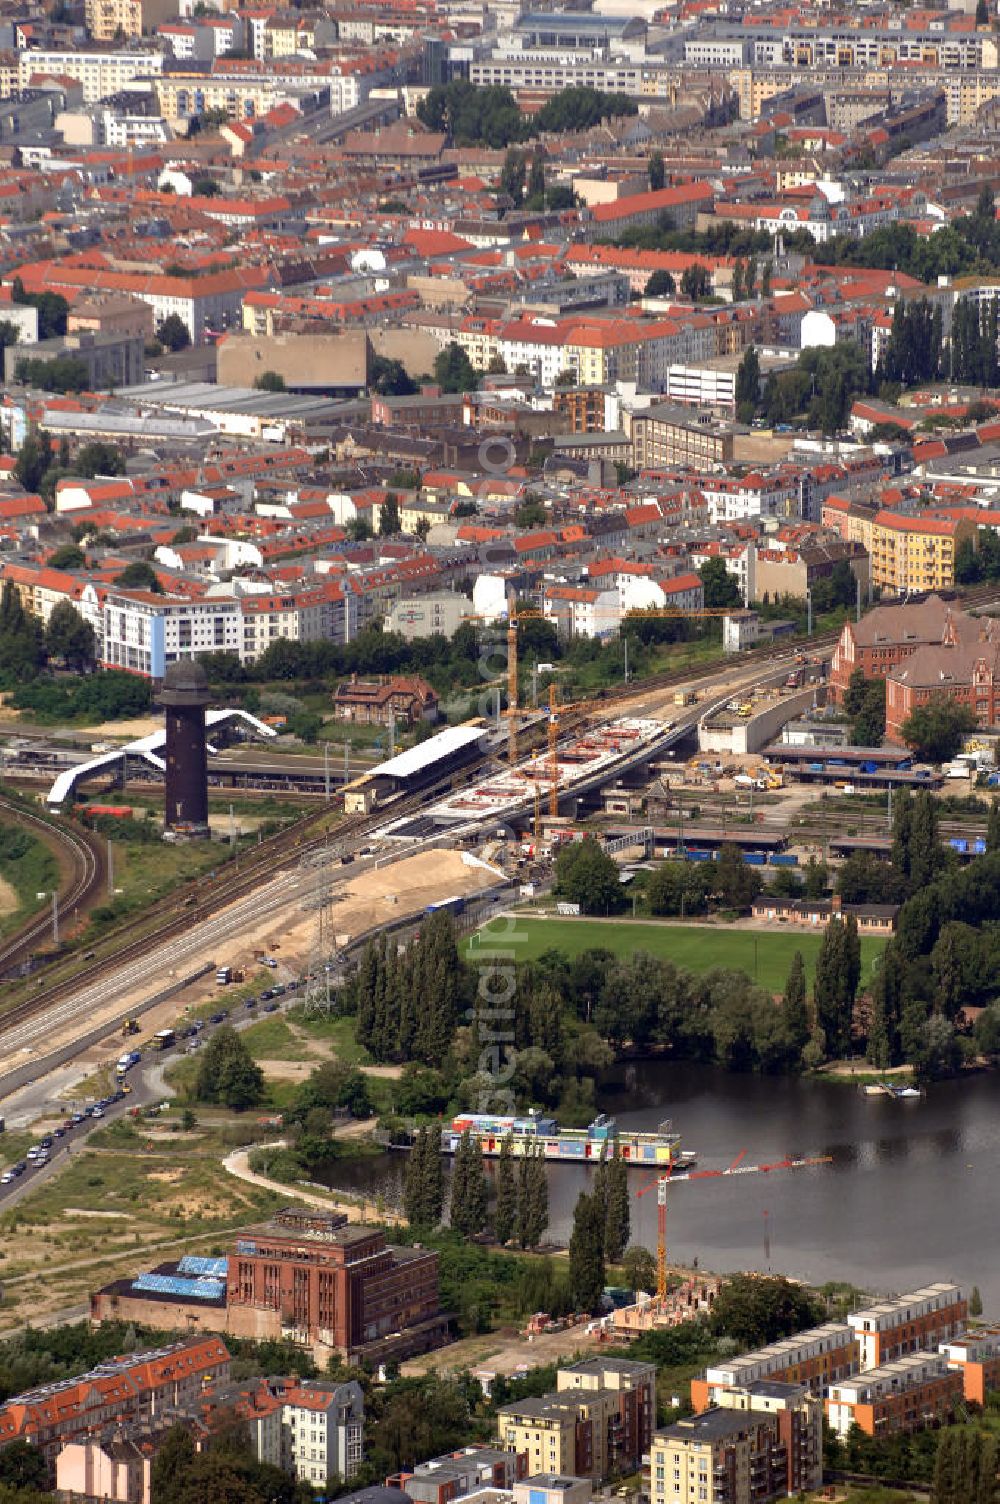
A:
736,1168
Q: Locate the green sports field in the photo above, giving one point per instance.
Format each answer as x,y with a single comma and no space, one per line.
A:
764,954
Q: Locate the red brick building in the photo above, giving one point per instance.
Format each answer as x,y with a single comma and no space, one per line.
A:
964,666
338,1284
886,637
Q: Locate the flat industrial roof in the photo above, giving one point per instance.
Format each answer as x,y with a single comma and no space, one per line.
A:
415,759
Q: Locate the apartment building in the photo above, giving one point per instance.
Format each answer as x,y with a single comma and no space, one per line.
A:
143,632
443,1479
752,497
582,611
908,1394
799,1422
323,1430
725,1456
664,435
923,1318
99,73
139,1389
596,1423
635,1385
914,554
814,1359
114,20
976,1356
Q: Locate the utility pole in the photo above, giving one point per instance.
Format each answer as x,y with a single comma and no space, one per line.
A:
347,769
625,640
232,828
809,613
55,916
326,770
534,685
392,733
111,869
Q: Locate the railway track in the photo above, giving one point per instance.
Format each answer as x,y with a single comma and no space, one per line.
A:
82,886
173,915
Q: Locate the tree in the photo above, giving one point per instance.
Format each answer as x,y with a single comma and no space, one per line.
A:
935,728
639,1268
869,720
721,588
468,1188
227,1073
22,1466
512,177
70,638
975,1302
99,458
586,1254
757,1309
53,309
736,883
173,333
748,384
454,371
22,643
270,381
388,523
586,875
657,172
33,459
505,1207
617,1217
423,1185
497,365
532,1199
835,983
139,575
696,282
794,1011
69,556
390,378
172,1465
660,285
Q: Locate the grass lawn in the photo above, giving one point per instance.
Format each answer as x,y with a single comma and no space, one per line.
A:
765,955
338,1033
272,1039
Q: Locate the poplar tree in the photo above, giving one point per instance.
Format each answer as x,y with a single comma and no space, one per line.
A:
586,1253
793,1006
617,1214
468,1188
505,1207
423,1184
532,1215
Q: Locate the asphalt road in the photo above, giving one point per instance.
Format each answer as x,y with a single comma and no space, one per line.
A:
47,1098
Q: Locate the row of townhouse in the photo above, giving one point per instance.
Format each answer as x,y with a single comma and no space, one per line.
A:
879,1369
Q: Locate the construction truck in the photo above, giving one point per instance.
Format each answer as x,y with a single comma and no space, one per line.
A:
130,1026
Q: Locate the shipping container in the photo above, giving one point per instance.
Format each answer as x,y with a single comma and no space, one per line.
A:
783,859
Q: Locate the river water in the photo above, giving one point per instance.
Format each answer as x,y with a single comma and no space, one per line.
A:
912,1193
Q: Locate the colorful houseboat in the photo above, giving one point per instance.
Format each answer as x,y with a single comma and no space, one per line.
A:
569,1145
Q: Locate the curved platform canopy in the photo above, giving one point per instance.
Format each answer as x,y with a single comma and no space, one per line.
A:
148,749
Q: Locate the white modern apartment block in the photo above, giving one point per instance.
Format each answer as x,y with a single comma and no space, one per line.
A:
100,73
